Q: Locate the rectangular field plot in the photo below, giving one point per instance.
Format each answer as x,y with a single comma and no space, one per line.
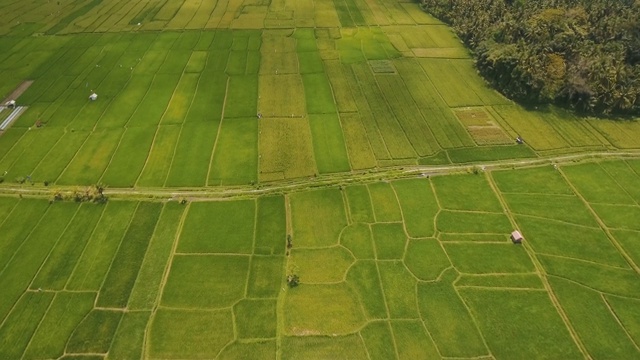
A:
618,216
381,116
152,107
28,153
93,265
359,202
466,192
326,299
448,320
463,222
119,281
242,96
361,155
446,79
228,235
406,111
286,149
24,319
318,266
317,217
271,226
156,167
209,98
536,130
596,185
129,158
593,319
419,206
489,153
625,176
620,133
181,99
206,281
192,155
478,258
92,158
537,180
562,208
328,143
281,96
235,157
385,202
606,279
148,285
56,270
446,128
499,315
65,313
189,333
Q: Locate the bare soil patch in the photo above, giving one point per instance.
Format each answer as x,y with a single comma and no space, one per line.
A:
18,91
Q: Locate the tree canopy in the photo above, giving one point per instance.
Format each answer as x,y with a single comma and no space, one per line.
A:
584,54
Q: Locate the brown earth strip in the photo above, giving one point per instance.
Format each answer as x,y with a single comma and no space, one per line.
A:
17,91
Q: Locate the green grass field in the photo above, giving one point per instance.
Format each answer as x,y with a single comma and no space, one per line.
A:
301,136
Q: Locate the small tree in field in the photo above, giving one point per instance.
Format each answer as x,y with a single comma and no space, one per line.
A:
293,280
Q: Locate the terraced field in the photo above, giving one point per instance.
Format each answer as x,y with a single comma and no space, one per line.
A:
350,143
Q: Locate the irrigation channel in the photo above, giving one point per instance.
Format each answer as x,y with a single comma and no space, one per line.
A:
326,180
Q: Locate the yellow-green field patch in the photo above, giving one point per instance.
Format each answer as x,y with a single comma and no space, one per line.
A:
286,149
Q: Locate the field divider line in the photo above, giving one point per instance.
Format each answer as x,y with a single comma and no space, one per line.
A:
38,326
175,149
155,135
498,288
355,86
337,112
615,316
113,155
163,282
86,245
541,271
75,154
584,261
124,233
589,287
64,132
253,249
615,179
215,142
282,291
12,146
559,221
35,225
604,227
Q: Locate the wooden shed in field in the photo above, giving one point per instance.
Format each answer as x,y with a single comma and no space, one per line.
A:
516,237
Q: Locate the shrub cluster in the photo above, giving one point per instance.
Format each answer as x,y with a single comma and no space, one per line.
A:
89,194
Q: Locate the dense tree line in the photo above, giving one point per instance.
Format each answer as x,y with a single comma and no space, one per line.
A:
580,53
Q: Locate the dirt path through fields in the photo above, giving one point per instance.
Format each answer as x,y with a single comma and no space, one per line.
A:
17,91
301,184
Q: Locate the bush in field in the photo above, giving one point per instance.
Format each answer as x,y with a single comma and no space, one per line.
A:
293,280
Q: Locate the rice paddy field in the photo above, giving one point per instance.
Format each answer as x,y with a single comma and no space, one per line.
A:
202,94
350,143
412,268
